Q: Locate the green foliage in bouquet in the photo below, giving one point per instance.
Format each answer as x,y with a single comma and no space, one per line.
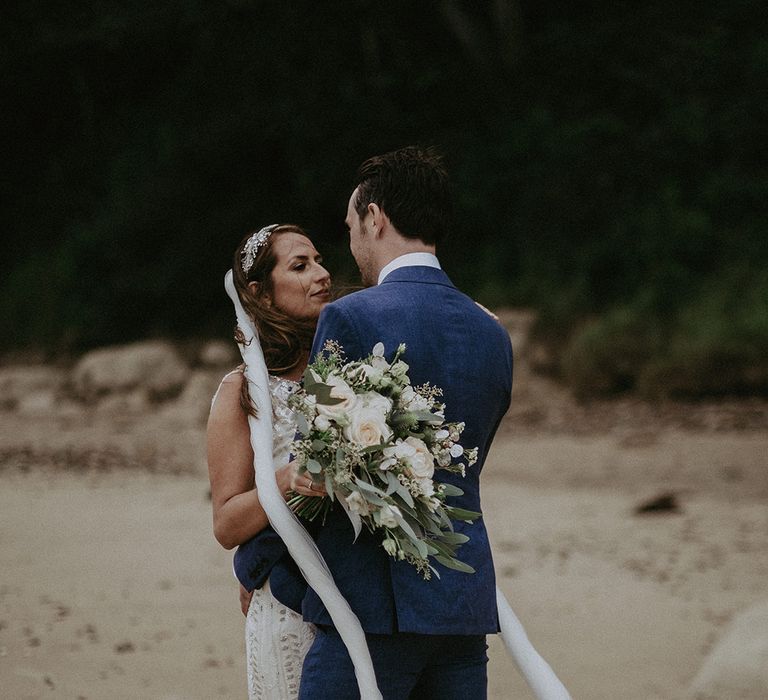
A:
375,443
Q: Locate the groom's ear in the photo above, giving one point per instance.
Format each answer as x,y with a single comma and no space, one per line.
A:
379,220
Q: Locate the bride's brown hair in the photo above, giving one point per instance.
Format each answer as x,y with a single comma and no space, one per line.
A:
285,340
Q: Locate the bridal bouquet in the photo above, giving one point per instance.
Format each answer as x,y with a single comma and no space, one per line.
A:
375,441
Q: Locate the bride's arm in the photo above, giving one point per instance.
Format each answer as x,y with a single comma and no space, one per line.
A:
237,512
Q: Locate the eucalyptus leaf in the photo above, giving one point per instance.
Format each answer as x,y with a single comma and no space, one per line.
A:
407,528
455,537
365,486
302,424
452,563
462,514
451,490
392,483
314,467
404,493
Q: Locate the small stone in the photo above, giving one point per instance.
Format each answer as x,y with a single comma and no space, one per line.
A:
663,504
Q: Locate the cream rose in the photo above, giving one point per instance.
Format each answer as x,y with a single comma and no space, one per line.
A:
340,390
367,427
421,462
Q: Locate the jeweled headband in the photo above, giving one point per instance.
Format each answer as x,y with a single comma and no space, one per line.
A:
252,245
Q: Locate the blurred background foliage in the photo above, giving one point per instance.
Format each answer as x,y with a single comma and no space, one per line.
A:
610,162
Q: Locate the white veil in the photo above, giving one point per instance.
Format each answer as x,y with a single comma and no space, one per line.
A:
300,545
535,670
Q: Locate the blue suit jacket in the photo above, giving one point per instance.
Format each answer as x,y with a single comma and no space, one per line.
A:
455,345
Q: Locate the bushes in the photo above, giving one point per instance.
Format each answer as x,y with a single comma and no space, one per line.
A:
715,344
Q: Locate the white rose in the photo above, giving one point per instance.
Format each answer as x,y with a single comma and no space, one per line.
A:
367,427
357,504
376,402
340,390
422,462
388,515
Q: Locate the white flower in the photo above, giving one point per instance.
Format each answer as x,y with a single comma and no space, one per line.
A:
372,374
399,369
340,390
387,463
357,504
457,451
399,450
427,487
417,402
379,363
390,546
378,350
367,427
422,463
376,402
441,434
388,515
322,423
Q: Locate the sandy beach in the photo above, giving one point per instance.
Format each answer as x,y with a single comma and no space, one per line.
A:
112,585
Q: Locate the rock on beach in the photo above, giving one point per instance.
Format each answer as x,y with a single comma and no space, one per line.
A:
152,366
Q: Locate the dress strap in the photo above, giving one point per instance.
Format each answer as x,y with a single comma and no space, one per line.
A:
237,370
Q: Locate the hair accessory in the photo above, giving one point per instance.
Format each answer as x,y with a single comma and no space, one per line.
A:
252,245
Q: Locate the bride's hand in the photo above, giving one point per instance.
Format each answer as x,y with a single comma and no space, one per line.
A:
245,599
303,485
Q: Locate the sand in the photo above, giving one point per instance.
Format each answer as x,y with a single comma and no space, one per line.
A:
112,586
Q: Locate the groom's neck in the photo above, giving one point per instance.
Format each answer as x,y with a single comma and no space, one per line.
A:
401,247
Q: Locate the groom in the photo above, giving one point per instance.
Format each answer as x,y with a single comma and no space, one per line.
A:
426,638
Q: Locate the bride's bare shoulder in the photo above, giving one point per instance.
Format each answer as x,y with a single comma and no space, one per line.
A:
234,377
228,392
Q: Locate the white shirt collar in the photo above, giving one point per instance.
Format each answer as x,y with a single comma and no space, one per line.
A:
409,260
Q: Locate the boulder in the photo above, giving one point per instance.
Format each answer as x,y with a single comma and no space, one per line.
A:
30,389
194,404
217,353
153,367
737,668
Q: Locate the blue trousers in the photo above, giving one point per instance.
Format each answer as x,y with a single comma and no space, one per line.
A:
418,666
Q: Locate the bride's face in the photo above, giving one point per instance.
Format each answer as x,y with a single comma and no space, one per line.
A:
300,283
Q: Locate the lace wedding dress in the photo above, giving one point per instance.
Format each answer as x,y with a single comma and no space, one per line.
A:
276,637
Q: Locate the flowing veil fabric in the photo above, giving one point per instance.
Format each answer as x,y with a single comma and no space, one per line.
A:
300,545
536,671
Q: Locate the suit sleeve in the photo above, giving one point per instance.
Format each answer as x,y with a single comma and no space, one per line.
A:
336,323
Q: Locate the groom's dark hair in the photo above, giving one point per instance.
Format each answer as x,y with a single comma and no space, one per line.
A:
411,186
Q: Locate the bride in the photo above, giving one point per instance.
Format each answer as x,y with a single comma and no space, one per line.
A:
283,286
